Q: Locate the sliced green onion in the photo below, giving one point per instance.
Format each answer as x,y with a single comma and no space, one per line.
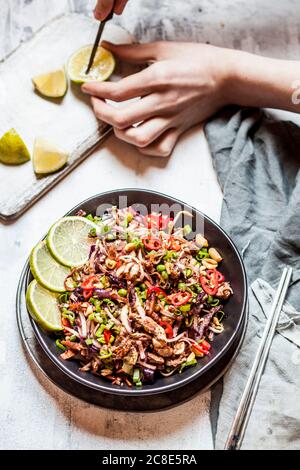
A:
122,292
89,341
185,308
60,346
136,376
93,232
165,275
212,301
105,355
203,253
182,286
188,272
187,364
63,298
160,268
187,230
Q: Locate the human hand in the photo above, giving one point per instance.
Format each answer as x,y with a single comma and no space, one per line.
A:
183,86
104,7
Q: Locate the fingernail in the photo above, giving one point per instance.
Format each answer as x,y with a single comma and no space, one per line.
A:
106,43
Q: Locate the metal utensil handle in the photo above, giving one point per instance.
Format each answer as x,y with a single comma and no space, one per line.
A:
248,398
263,360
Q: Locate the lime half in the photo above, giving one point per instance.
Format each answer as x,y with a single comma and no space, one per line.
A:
52,84
102,68
47,158
46,270
68,240
43,307
13,151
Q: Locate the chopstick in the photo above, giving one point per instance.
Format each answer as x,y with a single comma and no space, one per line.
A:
237,431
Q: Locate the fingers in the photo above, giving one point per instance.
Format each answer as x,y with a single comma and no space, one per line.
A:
127,116
164,146
146,133
133,86
119,6
103,9
134,53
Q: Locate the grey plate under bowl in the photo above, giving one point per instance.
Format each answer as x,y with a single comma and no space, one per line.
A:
158,402
235,308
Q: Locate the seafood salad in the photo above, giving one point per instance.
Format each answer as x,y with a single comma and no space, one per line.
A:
148,301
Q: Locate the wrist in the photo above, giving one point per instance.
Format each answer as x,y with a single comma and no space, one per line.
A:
229,76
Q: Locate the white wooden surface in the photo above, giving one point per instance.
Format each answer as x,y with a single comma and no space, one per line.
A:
33,412
68,123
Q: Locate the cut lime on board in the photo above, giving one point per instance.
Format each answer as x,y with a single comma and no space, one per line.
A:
68,240
42,305
13,150
46,270
102,68
52,84
47,158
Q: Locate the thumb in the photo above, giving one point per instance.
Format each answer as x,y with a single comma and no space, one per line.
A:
133,53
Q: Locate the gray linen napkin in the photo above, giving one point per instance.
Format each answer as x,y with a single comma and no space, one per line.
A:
257,160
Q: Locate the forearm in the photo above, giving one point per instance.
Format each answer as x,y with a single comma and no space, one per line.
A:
262,82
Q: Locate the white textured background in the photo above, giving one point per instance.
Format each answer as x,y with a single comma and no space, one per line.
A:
33,412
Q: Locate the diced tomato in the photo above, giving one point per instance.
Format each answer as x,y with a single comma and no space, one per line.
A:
180,298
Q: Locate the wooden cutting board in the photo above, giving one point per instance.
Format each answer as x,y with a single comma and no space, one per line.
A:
69,123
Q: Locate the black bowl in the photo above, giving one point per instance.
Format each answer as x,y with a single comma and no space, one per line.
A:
235,307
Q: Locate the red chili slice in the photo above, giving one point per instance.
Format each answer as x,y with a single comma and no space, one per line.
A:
205,345
89,282
65,322
168,329
220,276
209,282
155,289
157,221
199,350
180,298
174,245
107,336
87,293
151,243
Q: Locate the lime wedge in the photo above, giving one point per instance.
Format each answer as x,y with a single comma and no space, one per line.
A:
13,151
102,68
47,158
46,270
52,84
68,240
43,307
